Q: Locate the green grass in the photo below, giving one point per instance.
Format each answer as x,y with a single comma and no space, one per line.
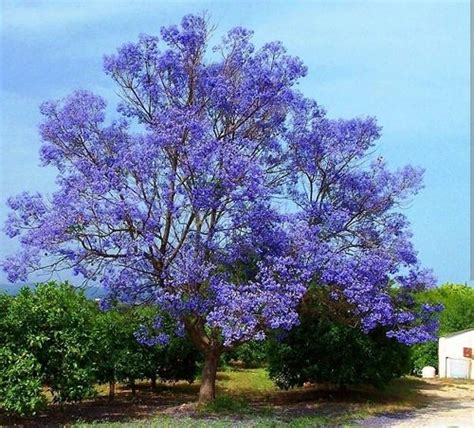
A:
227,422
245,398
225,404
251,383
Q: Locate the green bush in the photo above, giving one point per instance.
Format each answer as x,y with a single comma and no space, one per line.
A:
425,354
127,360
53,324
114,338
20,383
324,348
458,302
226,404
53,337
458,314
251,354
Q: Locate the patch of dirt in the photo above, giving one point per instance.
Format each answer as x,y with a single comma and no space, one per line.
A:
124,407
178,401
451,404
447,404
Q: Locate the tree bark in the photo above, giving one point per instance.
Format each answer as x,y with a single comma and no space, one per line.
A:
207,390
211,349
111,390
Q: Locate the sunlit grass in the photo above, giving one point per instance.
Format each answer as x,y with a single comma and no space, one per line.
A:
248,398
250,383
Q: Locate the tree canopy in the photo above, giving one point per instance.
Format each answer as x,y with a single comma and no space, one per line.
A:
221,194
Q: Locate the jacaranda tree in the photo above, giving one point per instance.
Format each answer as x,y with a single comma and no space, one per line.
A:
221,194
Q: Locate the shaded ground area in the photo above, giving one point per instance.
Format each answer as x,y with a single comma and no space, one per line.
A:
247,398
450,404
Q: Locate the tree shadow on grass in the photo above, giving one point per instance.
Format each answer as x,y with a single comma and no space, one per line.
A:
124,407
179,400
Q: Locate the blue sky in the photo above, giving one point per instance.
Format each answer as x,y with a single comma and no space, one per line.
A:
406,62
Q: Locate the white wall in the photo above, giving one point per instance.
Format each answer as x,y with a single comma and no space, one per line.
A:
452,347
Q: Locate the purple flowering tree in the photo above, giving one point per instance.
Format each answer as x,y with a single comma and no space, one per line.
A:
222,195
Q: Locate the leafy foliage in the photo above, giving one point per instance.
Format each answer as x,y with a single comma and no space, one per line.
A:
21,383
251,354
458,314
226,404
128,359
53,337
458,303
422,355
324,348
53,324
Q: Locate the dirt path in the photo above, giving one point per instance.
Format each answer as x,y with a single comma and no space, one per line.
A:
451,405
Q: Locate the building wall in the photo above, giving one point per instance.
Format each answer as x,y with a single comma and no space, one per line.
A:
452,347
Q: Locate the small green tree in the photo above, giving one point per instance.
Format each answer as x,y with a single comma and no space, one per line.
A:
458,302
422,355
325,347
251,354
111,334
51,324
53,336
172,360
121,358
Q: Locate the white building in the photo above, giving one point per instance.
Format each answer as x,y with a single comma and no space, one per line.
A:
456,355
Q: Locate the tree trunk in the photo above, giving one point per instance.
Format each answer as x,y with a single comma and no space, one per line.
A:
134,387
207,391
153,383
211,349
111,390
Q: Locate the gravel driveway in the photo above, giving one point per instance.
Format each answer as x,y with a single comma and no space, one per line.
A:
451,405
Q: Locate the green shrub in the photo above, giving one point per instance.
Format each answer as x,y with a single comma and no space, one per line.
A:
20,383
324,348
425,354
458,302
53,337
127,360
458,314
251,354
53,322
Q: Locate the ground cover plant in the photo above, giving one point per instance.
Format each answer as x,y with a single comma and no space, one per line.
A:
222,195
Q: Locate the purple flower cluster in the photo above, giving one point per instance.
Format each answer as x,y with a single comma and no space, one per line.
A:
222,195
242,312
143,336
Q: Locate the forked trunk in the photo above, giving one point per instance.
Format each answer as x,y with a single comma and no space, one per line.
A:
207,391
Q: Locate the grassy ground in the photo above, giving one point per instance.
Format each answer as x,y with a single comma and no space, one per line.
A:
246,397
